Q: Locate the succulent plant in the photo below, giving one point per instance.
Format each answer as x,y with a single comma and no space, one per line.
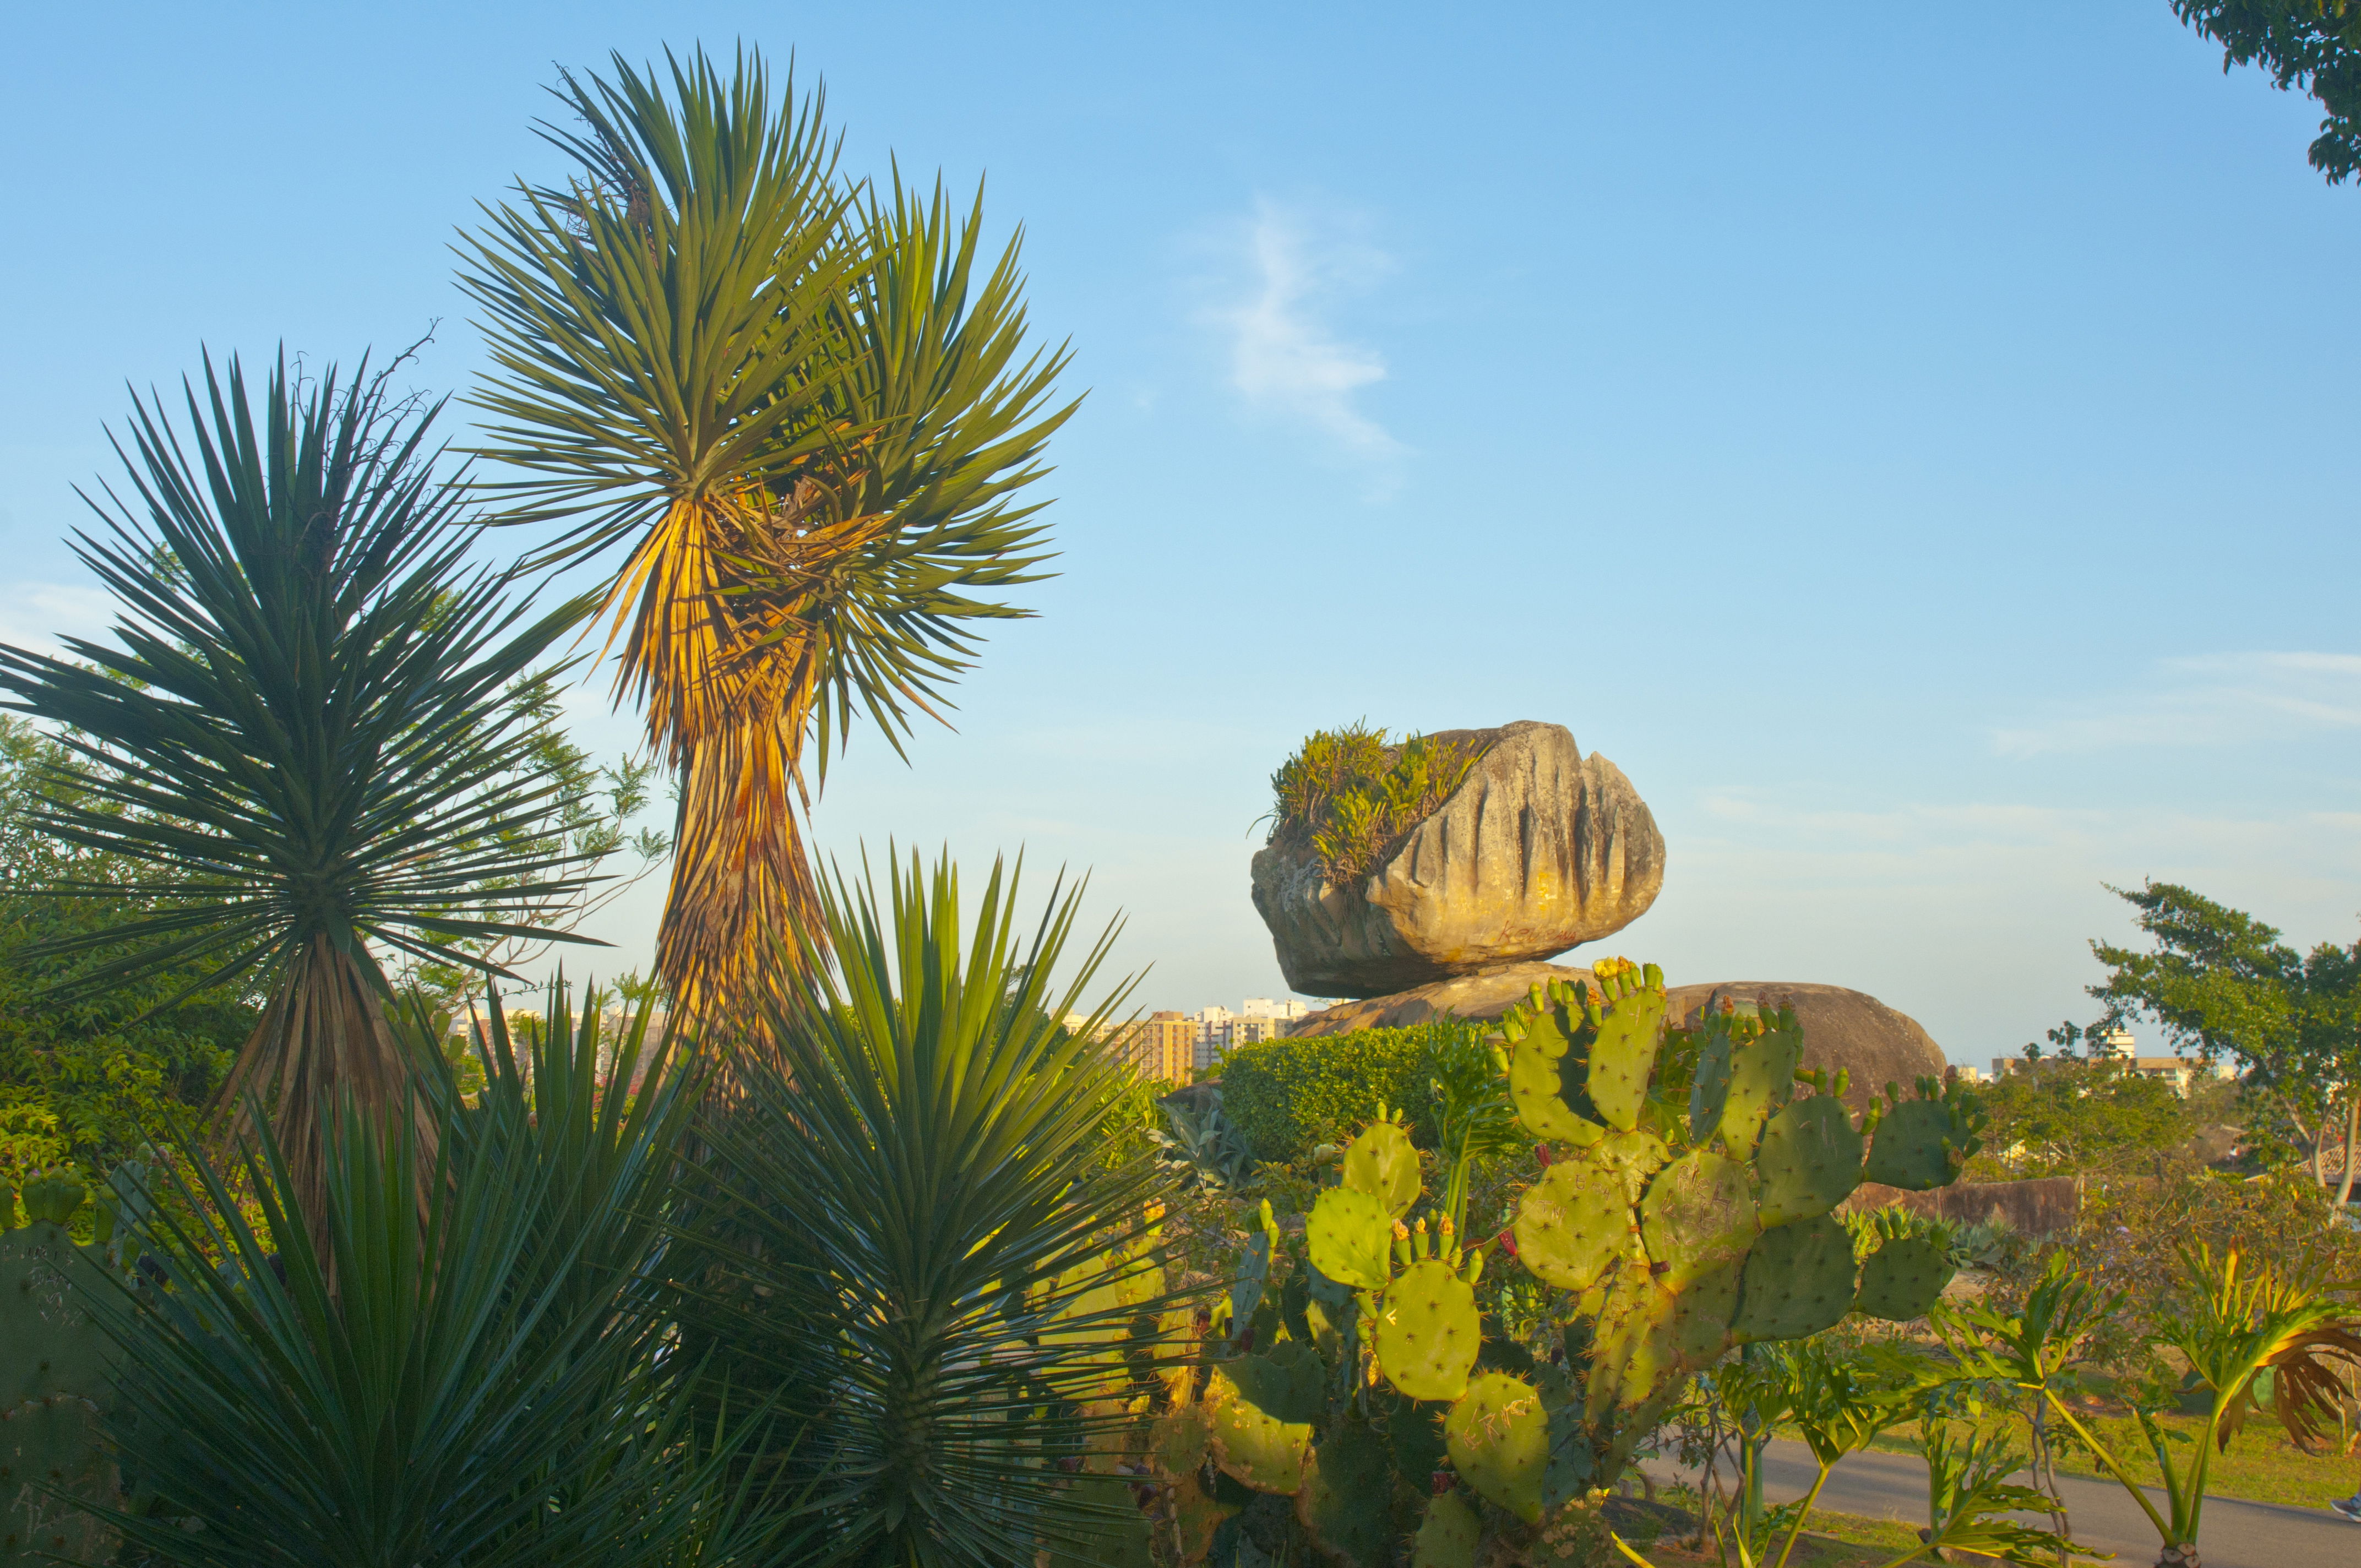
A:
1447,1534
53,1383
1724,1161
1686,1209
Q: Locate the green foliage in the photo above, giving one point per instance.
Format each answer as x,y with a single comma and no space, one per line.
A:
1289,1095
2223,985
2311,45
1202,1145
2249,1339
478,1378
86,1077
2061,1116
908,1234
1351,799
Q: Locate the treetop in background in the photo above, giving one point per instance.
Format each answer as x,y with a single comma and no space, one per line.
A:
2314,45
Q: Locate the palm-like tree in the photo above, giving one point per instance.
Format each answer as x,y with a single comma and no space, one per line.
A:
803,409
308,733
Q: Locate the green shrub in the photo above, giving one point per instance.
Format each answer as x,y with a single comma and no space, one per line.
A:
1286,1095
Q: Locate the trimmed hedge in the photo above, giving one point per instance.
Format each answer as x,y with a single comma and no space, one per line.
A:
1287,1094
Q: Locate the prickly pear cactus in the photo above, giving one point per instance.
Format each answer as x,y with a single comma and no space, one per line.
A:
1691,1201
1685,1208
53,1384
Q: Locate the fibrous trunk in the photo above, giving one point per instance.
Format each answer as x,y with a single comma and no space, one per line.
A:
324,1043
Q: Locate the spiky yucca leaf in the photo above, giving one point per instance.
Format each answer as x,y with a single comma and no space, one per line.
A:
917,1237
483,1384
805,416
307,727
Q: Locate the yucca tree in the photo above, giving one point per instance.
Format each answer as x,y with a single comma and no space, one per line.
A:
910,1231
801,412
306,728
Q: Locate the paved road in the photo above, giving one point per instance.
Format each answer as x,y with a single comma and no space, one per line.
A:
2232,1534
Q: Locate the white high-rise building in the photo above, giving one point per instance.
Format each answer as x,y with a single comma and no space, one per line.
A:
1220,1031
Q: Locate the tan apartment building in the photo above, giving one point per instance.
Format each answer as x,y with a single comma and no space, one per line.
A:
1163,1045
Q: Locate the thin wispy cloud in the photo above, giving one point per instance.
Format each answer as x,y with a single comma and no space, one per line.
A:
2212,699
1285,358
37,615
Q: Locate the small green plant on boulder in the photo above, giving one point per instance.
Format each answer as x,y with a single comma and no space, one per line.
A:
1350,798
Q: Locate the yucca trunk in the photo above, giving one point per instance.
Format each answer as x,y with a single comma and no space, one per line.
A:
740,884
722,649
323,1040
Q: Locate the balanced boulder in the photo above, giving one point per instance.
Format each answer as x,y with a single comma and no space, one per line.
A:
1539,850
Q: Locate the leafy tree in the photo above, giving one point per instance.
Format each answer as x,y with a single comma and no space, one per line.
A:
2222,984
2059,1116
2314,45
302,745
85,1078
804,411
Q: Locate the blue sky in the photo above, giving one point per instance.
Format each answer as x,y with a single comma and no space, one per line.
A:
1915,442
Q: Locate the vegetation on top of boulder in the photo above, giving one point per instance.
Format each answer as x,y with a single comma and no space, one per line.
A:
1351,798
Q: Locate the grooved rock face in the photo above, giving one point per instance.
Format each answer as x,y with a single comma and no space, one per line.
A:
1539,850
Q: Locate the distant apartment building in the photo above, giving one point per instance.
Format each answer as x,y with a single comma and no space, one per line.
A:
2179,1071
1163,1045
1221,1031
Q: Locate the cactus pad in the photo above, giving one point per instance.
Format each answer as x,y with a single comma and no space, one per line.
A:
53,1197
1703,1309
1809,1161
1499,1438
1351,1235
1799,1279
1197,1513
1635,1158
1117,1535
1924,1143
1761,1077
1903,1279
1623,1050
1710,1086
1573,1223
1253,1446
1180,1440
1288,1382
1635,1351
1381,1162
1698,1216
1346,1493
1536,1078
1428,1332
1447,1535
1415,1431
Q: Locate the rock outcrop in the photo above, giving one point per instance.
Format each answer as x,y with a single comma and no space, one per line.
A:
1848,1029
1842,1029
1482,997
1540,848
2045,1206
